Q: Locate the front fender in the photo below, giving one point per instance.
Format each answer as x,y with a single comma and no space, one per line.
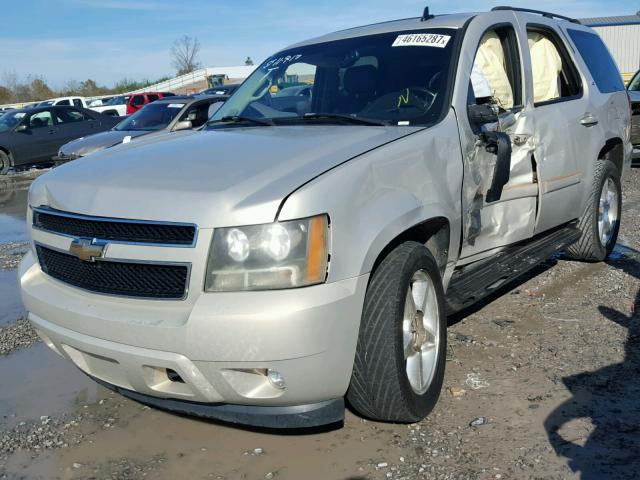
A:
377,196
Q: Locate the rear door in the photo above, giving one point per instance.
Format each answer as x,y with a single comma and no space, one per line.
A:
71,124
567,133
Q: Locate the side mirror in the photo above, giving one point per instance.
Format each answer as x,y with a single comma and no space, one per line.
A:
482,114
498,143
22,128
183,125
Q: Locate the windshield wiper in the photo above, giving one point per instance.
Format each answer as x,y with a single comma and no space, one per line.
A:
340,116
240,119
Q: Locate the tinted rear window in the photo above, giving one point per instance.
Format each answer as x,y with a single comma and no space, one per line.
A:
598,59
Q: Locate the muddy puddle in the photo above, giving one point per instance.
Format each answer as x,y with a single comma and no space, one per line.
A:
37,382
11,307
160,445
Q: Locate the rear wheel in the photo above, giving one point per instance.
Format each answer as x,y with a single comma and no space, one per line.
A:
5,163
600,222
400,358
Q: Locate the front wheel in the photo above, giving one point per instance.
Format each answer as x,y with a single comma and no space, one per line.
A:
400,358
600,222
5,163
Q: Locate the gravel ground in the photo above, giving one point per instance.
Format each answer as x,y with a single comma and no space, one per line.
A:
17,335
542,382
11,254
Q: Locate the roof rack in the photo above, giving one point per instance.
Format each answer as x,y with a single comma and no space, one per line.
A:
540,12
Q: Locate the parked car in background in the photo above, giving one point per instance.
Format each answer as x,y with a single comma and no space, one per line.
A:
263,268
634,97
116,106
297,91
99,101
139,100
162,116
227,89
34,135
64,101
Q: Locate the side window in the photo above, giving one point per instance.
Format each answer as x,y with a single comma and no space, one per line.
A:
70,116
152,97
63,102
77,102
496,74
41,119
598,59
138,100
555,77
197,115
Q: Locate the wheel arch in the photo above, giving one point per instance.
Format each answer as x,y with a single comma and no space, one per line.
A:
433,233
613,150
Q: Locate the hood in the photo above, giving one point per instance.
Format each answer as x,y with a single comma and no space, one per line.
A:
214,178
98,141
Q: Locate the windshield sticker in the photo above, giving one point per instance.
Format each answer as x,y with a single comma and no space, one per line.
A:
126,139
279,61
422,40
175,105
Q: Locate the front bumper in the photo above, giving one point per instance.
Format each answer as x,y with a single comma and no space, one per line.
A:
220,344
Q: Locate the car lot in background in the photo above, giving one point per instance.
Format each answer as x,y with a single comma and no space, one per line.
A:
161,117
139,100
99,101
634,96
64,101
32,136
228,89
115,106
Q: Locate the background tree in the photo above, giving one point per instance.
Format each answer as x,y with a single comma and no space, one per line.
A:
40,90
248,61
184,53
6,95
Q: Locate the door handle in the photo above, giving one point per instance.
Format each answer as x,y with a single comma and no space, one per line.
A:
589,121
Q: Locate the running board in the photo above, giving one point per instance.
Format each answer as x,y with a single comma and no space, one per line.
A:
475,281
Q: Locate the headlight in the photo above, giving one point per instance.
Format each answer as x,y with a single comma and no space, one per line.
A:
271,256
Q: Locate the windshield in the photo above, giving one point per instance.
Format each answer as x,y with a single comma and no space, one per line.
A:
10,120
117,101
154,116
394,79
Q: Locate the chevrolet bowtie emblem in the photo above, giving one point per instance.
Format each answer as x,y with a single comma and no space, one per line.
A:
86,249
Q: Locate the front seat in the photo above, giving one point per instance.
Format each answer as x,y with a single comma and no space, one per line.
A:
360,84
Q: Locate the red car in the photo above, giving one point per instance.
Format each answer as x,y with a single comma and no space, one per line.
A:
139,100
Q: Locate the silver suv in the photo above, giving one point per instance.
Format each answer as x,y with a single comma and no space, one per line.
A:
300,250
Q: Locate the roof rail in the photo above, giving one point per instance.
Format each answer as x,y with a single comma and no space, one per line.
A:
540,12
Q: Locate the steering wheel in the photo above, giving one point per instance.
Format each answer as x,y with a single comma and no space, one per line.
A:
416,98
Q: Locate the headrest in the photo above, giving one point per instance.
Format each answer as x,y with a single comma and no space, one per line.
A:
361,80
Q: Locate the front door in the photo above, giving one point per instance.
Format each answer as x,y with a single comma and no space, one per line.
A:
37,142
496,77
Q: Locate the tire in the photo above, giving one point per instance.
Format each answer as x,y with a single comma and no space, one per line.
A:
592,246
5,163
381,386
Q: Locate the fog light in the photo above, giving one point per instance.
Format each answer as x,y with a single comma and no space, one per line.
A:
276,379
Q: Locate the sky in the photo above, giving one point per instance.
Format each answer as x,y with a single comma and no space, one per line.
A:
108,40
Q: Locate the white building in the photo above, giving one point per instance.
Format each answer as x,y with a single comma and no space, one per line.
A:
622,36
